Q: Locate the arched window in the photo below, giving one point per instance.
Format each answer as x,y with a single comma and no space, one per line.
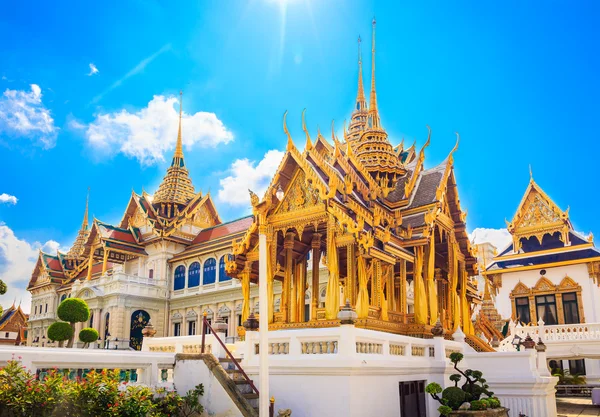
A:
210,271
222,274
91,319
151,273
62,297
106,326
194,275
179,278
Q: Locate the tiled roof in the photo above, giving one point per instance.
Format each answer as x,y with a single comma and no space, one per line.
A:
427,185
223,229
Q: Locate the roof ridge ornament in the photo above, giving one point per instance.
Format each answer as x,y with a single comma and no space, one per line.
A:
373,111
308,146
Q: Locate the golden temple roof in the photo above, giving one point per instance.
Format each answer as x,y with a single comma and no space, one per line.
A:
176,186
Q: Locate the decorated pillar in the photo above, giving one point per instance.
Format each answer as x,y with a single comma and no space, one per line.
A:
90,263
362,299
420,296
288,246
246,292
402,288
271,256
293,291
316,258
300,271
431,293
105,260
332,298
351,274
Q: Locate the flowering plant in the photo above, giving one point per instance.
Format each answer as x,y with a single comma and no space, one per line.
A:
97,394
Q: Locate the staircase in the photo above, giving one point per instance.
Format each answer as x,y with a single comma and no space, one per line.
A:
241,384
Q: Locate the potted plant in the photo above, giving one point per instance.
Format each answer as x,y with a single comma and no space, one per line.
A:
466,400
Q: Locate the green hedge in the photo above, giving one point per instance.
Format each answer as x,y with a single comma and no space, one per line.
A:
60,331
73,310
88,335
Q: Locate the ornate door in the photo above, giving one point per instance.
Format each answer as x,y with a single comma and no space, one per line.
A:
139,319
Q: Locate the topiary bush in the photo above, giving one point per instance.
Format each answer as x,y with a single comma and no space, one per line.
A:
88,335
59,332
73,310
453,398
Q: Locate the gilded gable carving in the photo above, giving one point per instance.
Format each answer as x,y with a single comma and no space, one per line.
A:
203,217
568,283
544,284
538,213
138,219
520,289
300,195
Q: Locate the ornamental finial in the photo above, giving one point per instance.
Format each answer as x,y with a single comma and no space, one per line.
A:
290,142
530,174
361,101
308,141
84,225
178,156
373,112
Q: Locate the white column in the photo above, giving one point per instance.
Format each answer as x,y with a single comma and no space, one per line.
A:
263,372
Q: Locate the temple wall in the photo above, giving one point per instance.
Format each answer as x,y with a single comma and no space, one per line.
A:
578,273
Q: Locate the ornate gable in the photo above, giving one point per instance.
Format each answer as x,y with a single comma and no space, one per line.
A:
300,195
520,289
537,216
544,285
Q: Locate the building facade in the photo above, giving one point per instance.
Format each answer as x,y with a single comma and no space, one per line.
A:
549,272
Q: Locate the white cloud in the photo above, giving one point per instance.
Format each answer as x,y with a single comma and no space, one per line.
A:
17,260
93,70
150,132
246,175
8,199
500,238
22,114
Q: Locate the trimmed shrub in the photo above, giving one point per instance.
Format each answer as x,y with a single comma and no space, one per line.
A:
477,405
493,402
88,335
73,310
454,397
60,331
2,287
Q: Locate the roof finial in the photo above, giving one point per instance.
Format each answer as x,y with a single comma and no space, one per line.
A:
374,114
308,141
178,156
361,102
530,174
290,142
84,225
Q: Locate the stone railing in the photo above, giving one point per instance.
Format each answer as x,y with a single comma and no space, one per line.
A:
122,276
151,368
568,340
343,345
179,344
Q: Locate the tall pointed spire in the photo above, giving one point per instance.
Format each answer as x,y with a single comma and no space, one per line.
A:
361,101
84,224
77,249
373,112
176,186
178,156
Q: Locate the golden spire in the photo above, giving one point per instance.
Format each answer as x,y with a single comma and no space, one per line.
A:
373,112
176,187
84,224
178,156
308,141
361,101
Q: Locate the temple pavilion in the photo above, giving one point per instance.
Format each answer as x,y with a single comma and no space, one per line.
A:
378,220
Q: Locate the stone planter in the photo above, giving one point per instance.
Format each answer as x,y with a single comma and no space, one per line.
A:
492,412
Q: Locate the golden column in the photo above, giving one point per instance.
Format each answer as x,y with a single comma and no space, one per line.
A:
246,292
105,260
391,289
271,256
316,252
362,301
431,293
402,287
288,246
332,298
351,274
90,262
293,291
300,275
420,296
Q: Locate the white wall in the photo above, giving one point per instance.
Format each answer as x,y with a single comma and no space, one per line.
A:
578,273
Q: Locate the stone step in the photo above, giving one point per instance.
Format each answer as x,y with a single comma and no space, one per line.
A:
251,396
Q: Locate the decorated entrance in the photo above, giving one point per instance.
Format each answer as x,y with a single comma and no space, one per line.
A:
139,319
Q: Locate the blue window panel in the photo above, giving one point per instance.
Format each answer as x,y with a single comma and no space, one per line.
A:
179,278
210,271
194,275
222,274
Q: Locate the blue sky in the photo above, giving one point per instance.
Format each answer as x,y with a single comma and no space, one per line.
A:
518,80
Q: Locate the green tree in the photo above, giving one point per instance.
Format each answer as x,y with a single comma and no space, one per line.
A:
73,310
59,332
2,292
88,335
